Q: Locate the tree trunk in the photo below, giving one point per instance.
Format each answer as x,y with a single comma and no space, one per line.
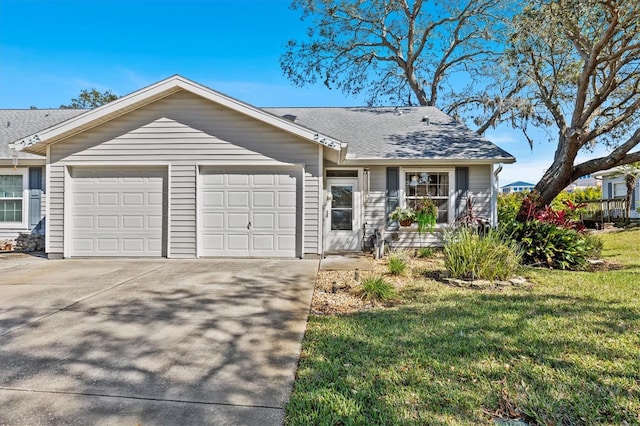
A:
555,179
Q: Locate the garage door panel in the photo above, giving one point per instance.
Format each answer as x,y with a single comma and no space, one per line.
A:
133,222
83,199
133,245
286,221
264,221
108,245
238,242
238,199
83,222
154,199
213,179
213,242
117,212
241,180
236,220
286,199
213,199
265,199
107,222
213,220
263,242
267,180
154,222
133,199
286,242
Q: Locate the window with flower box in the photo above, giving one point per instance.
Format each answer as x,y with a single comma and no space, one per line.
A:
436,185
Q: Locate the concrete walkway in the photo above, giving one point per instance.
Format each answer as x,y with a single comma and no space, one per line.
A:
346,262
150,341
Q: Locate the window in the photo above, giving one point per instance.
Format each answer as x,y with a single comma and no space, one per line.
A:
619,190
12,190
435,185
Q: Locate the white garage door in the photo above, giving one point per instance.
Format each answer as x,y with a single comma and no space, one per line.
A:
248,213
116,212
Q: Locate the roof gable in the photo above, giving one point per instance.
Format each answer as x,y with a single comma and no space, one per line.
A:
37,142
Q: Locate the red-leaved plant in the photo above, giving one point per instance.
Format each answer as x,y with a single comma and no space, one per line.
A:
559,218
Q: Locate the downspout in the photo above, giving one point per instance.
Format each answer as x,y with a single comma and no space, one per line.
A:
494,195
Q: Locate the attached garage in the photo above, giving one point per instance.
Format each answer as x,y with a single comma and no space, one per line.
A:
249,212
177,170
117,211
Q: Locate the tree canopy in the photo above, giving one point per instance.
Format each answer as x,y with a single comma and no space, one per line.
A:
406,53
92,98
566,66
580,60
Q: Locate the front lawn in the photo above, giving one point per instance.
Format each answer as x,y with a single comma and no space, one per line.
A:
564,351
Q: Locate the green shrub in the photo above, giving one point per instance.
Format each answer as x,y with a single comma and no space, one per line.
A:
375,287
509,205
425,252
468,254
397,265
552,246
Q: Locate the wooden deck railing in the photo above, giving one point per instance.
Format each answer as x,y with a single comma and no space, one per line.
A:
606,210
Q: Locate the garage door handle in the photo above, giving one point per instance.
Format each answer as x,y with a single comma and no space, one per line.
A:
249,225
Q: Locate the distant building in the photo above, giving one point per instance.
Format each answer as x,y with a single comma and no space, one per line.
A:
586,181
518,186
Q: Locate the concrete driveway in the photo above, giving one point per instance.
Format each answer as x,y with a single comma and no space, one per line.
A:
131,342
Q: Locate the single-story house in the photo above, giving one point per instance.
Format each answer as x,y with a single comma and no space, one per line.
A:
182,171
613,186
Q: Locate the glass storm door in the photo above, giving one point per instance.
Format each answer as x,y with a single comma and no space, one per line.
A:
344,214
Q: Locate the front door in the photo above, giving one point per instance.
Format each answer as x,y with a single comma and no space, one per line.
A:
343,214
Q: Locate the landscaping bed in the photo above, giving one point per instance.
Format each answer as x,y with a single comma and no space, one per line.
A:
562,349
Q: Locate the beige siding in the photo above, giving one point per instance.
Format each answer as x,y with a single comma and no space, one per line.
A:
183,211
374,206
480,188
184,130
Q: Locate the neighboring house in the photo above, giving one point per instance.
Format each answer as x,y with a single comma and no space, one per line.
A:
179,170
613,186
22,178
518,186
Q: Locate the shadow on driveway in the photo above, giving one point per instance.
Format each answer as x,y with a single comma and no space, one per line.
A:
165,341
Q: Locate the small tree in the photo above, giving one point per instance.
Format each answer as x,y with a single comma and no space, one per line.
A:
89,99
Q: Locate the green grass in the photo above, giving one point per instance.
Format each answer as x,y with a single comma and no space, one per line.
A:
565,352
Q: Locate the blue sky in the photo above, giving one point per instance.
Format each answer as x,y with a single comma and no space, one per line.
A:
52,49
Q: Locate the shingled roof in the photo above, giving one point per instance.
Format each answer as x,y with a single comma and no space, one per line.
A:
18,123
406,133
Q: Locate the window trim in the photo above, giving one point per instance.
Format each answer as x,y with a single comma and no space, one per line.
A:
25,196
452,185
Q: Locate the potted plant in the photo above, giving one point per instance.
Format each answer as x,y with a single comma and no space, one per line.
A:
426,215
405,216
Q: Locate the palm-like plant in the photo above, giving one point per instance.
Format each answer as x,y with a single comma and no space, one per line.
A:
631,173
